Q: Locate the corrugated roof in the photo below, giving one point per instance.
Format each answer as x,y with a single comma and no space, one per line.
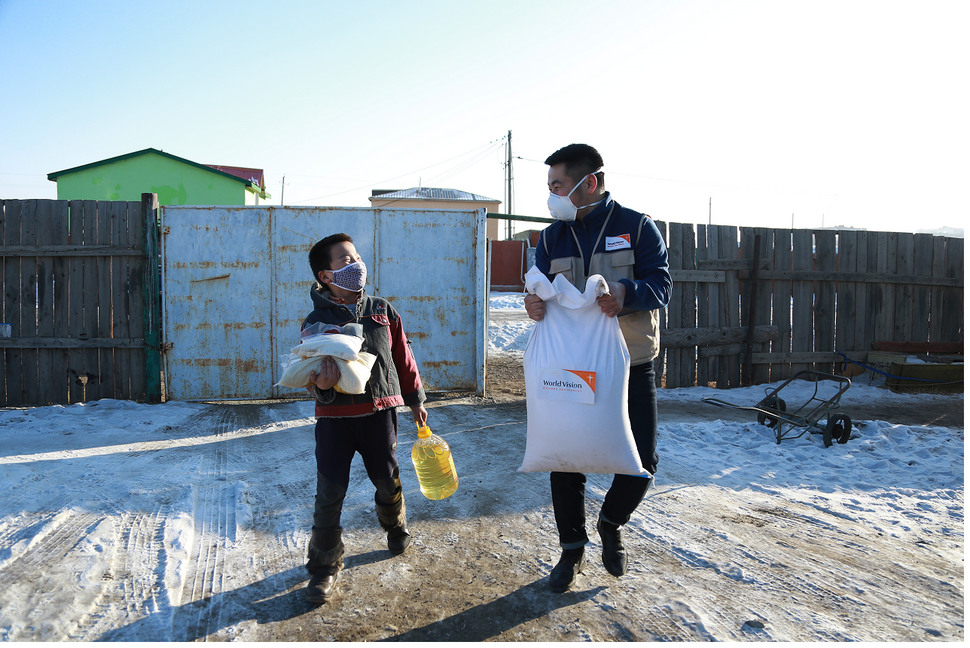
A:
431,193
253,175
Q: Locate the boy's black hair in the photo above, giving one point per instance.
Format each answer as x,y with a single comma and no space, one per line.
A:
580,160
320,253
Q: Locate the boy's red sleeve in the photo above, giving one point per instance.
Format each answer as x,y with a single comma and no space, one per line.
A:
407,366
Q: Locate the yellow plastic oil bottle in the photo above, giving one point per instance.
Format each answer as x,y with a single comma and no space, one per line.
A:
434,465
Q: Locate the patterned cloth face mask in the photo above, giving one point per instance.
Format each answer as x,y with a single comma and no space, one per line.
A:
351,277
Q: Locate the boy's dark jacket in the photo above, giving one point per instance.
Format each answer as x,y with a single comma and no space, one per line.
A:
394,380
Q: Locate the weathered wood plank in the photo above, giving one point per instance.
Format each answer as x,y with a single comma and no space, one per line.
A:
107,296
883,295
75,292
703,305
716,336
70,343
151,300
46,360
905,296
714,304
922,266
138,275
67,251
729,370
952,298
28,304
762,373
12,393
818,357
825,253
781,296
61,269
90,372
803,297
688,356
860,341
675,309
886,278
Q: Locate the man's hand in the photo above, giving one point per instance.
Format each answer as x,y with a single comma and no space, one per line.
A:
612,304
328,376
535,307
420,414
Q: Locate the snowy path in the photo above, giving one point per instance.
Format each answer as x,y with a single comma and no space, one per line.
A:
182,522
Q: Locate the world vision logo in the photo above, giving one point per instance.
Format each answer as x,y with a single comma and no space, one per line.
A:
588,377
621,242
572,385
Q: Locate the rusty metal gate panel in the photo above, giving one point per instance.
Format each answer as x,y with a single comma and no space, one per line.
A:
432,269
429,263
217,280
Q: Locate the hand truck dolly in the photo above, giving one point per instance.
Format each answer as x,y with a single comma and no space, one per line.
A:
773,410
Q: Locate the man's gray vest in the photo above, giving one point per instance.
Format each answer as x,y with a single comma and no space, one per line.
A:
641,329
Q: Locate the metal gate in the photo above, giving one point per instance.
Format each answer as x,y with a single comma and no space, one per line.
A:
236,286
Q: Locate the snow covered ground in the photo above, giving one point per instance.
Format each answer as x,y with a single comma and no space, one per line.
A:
122,521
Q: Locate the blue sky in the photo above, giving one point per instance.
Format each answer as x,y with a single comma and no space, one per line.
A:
815,113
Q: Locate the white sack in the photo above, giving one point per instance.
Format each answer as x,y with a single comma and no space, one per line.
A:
336,345
577,370
354,374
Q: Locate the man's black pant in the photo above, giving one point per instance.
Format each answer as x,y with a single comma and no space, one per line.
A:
627,491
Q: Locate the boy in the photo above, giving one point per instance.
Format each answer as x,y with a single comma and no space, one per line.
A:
349,423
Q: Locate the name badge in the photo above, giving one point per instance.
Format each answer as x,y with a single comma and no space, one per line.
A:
621,242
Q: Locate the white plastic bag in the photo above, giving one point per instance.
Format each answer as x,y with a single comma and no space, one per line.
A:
577,370
354,374
342,343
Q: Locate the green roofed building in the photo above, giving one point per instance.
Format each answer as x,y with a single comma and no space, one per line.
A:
177,181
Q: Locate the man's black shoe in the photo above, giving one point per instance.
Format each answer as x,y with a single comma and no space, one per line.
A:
614,555
564,573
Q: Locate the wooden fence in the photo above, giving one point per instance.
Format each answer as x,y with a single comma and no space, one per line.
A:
753,306
80,286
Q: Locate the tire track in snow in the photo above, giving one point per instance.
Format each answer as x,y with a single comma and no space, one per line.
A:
141,549
214,520
32,585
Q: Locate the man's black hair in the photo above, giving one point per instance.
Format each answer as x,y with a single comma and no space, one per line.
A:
320,253
579,160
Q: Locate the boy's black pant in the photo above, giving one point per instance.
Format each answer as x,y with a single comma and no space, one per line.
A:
627,491
337,439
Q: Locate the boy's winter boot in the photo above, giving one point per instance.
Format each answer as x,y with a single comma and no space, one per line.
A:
614,555
393,516
325,556
564,573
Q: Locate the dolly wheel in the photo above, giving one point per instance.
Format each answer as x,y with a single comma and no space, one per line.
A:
774,403
838,428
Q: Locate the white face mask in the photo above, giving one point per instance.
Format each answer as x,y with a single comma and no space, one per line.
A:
562,208
351,277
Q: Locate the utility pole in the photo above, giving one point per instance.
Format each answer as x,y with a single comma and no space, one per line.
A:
508,185
282,190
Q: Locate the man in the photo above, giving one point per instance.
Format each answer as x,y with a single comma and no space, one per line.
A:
595,235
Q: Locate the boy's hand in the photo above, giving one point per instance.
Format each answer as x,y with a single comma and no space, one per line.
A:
535,307
328,376
420,414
